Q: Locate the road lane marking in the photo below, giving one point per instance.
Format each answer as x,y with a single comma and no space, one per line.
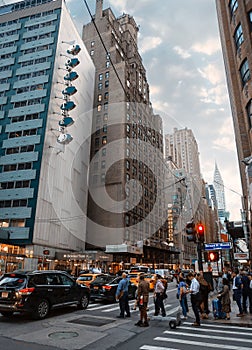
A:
220,326
202,344
194,334
224,330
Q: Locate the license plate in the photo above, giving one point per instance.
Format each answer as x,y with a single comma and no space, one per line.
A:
95,287
4,294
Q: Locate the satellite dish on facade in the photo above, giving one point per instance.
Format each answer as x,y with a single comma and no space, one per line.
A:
68,106
74,49
64,139
70,90
71,76
65,122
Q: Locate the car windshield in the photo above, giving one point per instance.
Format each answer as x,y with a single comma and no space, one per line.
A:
85,278
12,281
103,279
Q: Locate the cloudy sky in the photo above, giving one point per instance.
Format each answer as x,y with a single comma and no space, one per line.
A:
180,47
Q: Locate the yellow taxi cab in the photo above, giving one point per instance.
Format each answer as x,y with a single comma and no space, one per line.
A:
87,278
151,278
134,277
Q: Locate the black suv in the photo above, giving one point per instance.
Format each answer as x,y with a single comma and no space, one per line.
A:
38,292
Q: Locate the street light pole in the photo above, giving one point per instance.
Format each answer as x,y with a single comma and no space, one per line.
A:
199,251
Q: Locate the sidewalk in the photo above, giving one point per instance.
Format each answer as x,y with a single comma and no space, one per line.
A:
244,321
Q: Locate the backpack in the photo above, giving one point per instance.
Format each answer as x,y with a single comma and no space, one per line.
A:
238,282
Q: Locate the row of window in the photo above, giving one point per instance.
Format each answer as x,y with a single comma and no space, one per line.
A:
106,85
37,49
14,203
22,133
25,118
27,102
8,33
13,150
12,223
15,184
32,75
35,61
38,37
19,166
30,88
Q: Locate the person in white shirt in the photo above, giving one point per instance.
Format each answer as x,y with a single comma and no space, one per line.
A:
195,297
159,299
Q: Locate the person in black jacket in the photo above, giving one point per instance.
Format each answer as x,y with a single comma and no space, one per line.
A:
245,291
237,291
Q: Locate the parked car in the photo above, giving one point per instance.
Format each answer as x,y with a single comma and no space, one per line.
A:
104,288
87,278
38,292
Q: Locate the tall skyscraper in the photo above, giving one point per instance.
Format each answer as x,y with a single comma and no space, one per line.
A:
219,192
182,147
45,73
126,175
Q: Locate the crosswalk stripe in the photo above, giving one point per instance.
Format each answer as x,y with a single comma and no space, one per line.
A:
202,344
224,330
220,326
194,334
150,347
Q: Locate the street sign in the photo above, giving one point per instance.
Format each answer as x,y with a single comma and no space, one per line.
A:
216,246
241,256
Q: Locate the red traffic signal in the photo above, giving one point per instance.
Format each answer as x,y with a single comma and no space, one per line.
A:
201,232
213,256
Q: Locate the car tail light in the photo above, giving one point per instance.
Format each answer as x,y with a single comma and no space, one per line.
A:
107,287
26,291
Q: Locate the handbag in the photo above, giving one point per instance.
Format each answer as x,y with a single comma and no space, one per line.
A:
164,295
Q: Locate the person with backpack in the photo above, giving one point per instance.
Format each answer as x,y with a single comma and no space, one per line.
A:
237,291
182,296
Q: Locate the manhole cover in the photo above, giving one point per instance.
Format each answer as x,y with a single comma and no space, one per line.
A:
91,321
63,335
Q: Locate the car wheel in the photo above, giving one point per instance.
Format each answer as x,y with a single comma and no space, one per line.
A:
7,313
84,301
41,310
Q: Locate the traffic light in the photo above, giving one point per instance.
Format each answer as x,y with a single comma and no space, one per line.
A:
201,232
213,256
190,231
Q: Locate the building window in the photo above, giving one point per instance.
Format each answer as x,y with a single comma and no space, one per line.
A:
99,107
105,128
107,75
106,96
99,97
107,64
238,36
127,165
100,86
103,178
92,43
105,117
249,113
233,5
104,140
100,76
104,152
244,72
106,83
105,106
103,164
97,142
92,53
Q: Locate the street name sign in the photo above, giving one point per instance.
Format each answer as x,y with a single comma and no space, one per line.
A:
217,246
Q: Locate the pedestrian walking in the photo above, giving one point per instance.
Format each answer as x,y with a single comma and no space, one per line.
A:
204,291
143,298
123,297
237,291
245,291
225,298
182,296
159,297
250,293
195,297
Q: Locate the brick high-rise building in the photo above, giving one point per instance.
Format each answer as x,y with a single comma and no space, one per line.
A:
235,25
126,142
